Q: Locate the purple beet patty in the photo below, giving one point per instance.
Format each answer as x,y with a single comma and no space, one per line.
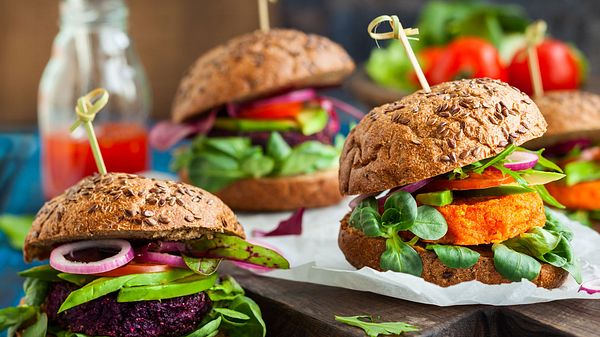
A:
106,317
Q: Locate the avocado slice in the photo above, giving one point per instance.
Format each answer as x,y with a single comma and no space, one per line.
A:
252,125
497,191
441,198
312,120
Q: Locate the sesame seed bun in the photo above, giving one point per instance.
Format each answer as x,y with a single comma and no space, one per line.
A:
126,206
570,115
363,251
277,194
427,134
259,64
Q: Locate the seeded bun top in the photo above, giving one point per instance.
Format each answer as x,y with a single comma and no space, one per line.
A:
570,115
427,134
259,64
126,206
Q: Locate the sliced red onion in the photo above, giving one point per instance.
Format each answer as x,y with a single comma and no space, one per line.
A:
356,201
232,110
166,134
521,160
333,125
563,148
289,226
591,287
59,262
301,95
345,107
161,258
412,188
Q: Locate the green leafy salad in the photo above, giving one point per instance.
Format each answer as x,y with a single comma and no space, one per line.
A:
410,218
213,163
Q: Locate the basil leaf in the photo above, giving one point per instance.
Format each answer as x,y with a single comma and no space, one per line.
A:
405,204
253,327
232,314
37,329
202,266
77,279
35,291
513,265
227,290
455,256
401,257
207,329
237,249
548,199
581,171
13,317
277,147
189,286
45,273
374,329
430,224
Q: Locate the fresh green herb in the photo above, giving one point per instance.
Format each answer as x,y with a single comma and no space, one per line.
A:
455,256
400,257
44,272
582,171
15,228
15,316
234,248
514,265
480,166
214,163
77,279
232,314
35,291
252,327
373,328
439,199
37,329
209,329
226,290
202,266
547,197
188,286
429,224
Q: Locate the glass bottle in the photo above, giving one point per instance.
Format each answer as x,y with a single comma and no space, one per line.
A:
92,49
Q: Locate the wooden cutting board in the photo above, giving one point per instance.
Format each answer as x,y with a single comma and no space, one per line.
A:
295,309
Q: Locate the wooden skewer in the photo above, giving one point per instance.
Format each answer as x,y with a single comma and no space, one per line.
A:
535,35
263,14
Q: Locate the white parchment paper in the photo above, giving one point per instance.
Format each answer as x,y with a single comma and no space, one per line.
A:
316,258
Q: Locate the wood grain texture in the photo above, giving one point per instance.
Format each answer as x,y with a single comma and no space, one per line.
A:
295,309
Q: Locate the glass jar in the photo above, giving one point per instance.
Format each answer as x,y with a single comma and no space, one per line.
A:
92,49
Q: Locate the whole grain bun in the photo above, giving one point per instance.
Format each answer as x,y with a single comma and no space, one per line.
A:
570,115
318,189
126,206
363,251
427,134
258,64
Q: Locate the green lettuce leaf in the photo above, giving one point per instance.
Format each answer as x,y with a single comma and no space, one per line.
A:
455,256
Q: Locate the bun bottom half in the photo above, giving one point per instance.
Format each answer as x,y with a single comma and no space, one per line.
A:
363,251
318,189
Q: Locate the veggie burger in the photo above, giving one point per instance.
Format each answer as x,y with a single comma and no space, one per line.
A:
573,141
264,139
447,194
132,256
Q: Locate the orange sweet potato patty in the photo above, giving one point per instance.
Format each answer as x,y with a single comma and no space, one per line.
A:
484,220
584,195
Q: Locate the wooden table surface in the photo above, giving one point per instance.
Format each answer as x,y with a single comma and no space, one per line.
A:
295,309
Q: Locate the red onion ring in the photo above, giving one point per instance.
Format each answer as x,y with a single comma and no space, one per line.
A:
521,160
591,287
345,107
60,263
301,95
161,258
412,188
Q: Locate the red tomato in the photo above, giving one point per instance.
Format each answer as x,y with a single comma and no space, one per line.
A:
558,67
135,268
428,57
272,111
489,178
467,57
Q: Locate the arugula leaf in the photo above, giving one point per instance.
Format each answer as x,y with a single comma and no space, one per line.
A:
400,257
237,249
13,317
497,159
582,171
547,197
15,228
406,205
37,329
35,291
207,329
202,266
513,265
374,329
430,224
455,256
253,327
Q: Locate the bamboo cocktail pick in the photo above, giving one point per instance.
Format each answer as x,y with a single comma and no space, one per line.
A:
399,33
87,108
534,35
263,14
